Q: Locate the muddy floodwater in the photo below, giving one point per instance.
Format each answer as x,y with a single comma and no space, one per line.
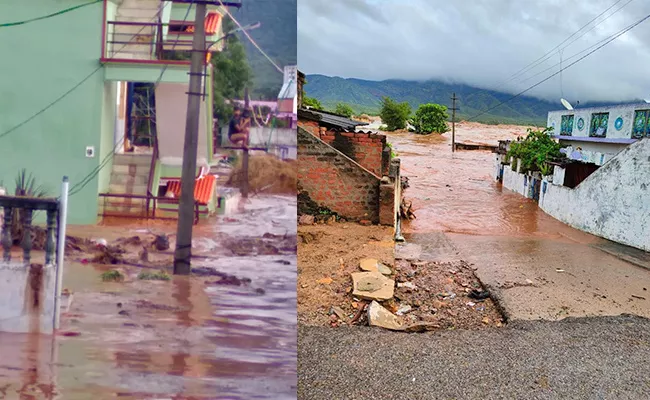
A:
456,193
188,338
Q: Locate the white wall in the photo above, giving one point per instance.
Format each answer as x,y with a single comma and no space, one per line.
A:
626,112
612,202
514,181
15,315
171,115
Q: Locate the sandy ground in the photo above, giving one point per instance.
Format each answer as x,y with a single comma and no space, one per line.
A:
327,254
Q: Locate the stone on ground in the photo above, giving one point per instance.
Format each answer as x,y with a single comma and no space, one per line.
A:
372,286
373,265
379,316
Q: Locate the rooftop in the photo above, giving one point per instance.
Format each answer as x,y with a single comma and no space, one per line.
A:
329,119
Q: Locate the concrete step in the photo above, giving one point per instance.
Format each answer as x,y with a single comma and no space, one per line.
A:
121,189
139,170
123,179
132,159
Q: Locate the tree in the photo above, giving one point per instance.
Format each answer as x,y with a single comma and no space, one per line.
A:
344,110
394,114
231,74
312,102
430,118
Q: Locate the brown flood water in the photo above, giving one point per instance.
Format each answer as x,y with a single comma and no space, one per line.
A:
172,340
455,192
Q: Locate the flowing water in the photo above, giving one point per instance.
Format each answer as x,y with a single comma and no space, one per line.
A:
182,339
456,192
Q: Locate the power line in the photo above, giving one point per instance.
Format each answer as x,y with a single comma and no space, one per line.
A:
568,66
67,10
257,46
552,51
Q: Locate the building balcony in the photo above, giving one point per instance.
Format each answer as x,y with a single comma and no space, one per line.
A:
156,31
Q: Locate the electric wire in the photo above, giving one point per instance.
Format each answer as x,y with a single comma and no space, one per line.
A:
568,66
67,10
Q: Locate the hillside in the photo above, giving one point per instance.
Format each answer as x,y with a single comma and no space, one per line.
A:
365,96
277,36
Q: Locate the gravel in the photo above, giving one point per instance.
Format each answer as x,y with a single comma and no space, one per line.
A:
586,358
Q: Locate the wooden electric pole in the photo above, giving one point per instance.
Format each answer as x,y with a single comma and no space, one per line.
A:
453,122
244,187
183,252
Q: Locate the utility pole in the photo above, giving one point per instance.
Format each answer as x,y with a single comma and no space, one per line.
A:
453,122
244,188
183,253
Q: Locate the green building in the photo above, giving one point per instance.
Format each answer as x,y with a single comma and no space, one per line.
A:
95,94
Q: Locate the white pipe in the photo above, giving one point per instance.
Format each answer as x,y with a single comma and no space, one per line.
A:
60,250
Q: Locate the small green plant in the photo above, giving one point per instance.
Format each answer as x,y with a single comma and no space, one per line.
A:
383,128
546,169
112,276
393,153
154,276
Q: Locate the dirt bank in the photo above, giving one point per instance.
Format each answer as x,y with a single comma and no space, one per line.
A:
327,254
267,174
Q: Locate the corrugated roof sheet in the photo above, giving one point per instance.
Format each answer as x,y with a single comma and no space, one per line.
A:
330,119
212,23
203,188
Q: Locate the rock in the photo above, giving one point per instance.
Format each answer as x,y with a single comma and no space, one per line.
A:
403,309
379,316
161,242
408,285
372,286
306,220
384,269
369,264
338,311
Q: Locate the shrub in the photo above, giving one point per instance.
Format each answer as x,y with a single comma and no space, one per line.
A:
393,114
535,150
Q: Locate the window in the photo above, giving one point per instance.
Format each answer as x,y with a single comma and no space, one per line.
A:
641,126
599,123
566,128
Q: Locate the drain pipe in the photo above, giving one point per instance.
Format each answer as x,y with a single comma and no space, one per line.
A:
398,230
63,217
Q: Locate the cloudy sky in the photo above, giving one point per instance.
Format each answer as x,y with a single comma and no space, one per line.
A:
481,43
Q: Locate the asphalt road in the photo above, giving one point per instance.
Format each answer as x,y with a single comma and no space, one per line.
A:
586,358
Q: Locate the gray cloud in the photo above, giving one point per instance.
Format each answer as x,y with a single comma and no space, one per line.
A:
479,42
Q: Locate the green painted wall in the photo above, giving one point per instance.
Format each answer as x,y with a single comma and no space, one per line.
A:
147,73
107,139
41,61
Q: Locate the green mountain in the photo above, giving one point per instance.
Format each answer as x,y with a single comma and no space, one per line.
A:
365,97
277,36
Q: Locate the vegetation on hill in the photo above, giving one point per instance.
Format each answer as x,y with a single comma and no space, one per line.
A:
366,97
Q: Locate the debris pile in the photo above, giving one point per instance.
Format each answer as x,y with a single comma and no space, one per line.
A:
267,174
418,296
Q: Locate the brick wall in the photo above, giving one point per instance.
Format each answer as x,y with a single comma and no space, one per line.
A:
368,149
335,181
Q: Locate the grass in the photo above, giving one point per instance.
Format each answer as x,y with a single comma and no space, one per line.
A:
112,276
154,276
